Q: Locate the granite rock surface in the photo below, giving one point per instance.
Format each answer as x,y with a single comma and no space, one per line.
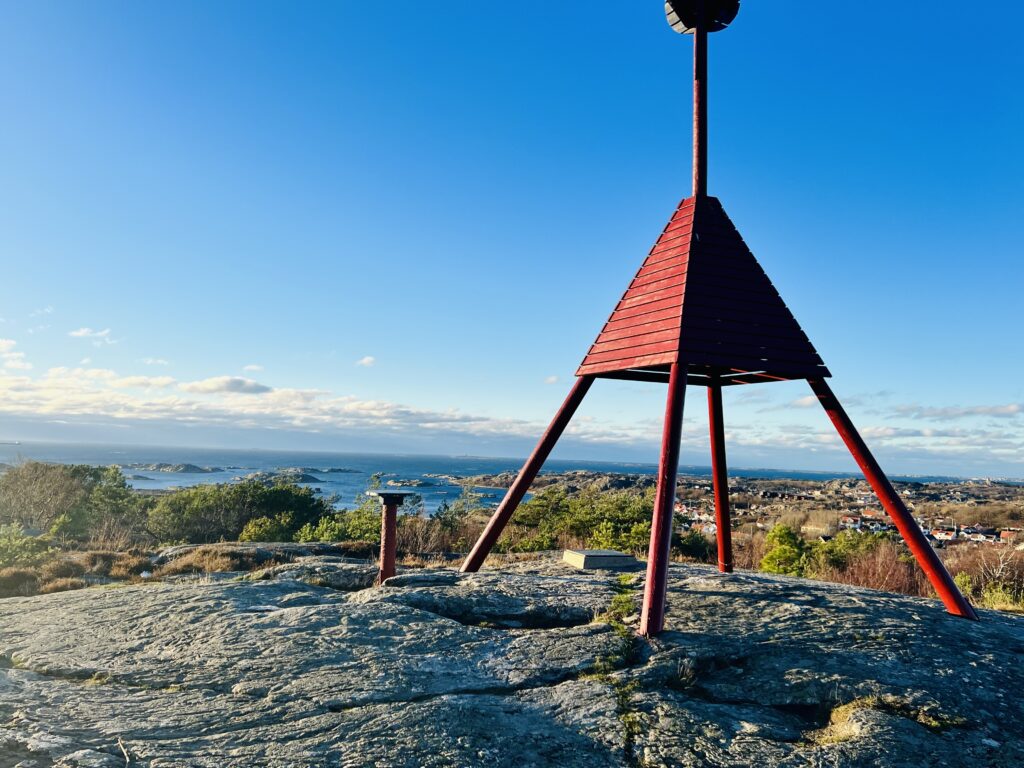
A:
533,665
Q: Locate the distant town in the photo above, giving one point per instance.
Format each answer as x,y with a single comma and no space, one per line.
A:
950,513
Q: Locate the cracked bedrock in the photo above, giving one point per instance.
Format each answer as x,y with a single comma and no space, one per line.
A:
518,667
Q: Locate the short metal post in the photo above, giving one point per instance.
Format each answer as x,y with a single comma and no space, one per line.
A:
518,489
720,477
926,557
390,502
652,616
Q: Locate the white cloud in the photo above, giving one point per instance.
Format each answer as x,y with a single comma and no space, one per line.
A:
252,367
960,412
13,361
99,338
226,384
154,361
86,361
805,402
367,362
47,310
89,333
551,380
99,395
16,361
89,373
142,382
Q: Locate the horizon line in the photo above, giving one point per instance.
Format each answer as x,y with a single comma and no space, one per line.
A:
749,472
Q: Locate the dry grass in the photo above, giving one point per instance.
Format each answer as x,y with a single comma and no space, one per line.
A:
202,560
841,728
358,549
129,565
62,585
214,559
61,568
18,582
425,561
98,562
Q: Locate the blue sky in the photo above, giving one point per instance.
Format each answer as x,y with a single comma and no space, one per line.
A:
378,226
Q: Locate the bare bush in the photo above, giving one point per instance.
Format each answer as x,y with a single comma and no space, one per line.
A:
994,571
420,534
36,495
885,567
748,551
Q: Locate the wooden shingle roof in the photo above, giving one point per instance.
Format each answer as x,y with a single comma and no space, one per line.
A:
701,298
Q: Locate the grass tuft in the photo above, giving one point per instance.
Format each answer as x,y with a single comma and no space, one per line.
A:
62,585
840,728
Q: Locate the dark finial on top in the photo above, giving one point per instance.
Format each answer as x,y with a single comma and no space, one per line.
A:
682,14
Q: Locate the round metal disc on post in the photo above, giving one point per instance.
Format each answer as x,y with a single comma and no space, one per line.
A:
684,14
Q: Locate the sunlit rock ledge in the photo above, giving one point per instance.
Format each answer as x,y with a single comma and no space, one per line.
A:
533,665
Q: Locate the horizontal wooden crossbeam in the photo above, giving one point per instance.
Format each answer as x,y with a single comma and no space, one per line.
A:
724,379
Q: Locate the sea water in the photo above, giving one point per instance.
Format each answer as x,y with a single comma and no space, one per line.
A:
345,475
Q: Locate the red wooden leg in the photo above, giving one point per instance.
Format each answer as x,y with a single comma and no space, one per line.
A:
926,557
652,617
720,475
518,489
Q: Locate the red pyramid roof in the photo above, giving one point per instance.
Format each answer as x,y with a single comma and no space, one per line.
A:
701,298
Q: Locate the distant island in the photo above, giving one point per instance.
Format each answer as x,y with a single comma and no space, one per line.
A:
185,469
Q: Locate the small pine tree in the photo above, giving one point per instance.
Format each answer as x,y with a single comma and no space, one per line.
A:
786,552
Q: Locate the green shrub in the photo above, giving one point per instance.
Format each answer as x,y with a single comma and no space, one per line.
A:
553,518
841,551
209,513
786,552
359,524
696,545
604,536
452,516
330,528
539,542
964,583
634,539
362,523
1000,597
18,548
278,528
